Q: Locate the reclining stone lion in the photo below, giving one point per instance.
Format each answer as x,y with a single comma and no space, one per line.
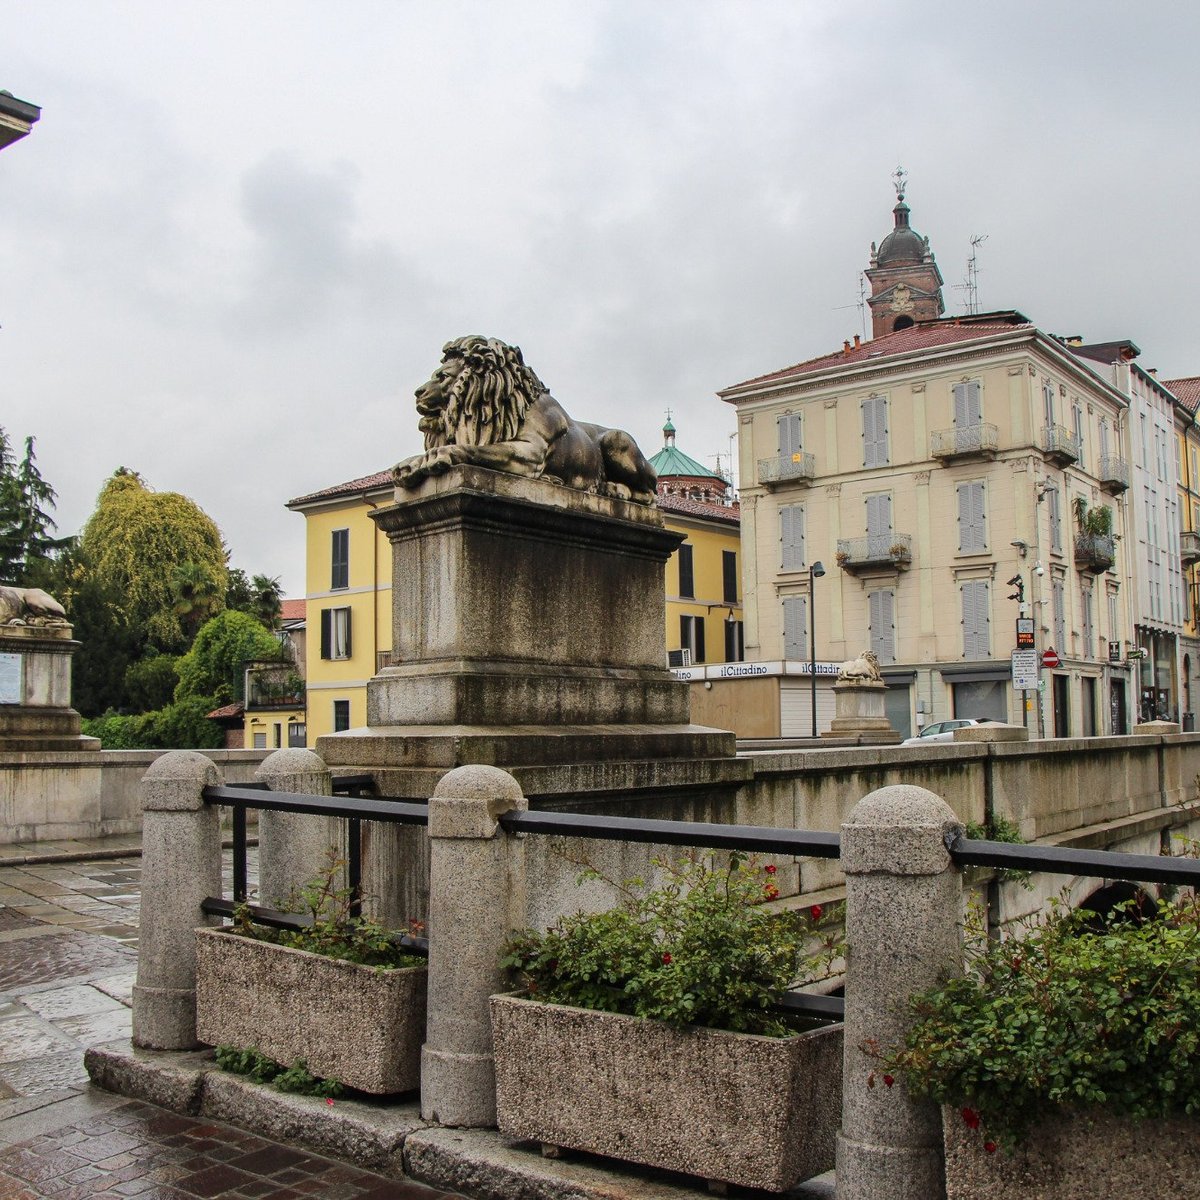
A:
484,407
30,606
864,668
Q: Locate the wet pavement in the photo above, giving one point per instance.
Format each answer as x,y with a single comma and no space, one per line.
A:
68,956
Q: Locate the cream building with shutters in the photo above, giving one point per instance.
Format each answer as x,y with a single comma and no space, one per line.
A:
939,472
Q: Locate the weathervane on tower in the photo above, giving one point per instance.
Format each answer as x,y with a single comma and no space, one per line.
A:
899,179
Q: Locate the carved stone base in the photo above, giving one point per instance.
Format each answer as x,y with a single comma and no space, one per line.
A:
860,712
35,690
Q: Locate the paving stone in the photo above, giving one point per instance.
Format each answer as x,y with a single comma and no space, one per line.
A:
76,1001
26,1037
72,955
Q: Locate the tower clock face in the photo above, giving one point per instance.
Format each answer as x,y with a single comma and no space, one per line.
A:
901,299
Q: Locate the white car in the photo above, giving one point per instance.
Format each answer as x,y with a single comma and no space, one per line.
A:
943,731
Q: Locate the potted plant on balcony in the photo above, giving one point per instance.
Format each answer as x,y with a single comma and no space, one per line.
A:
1067,1061
341,995
648,1032
1094,541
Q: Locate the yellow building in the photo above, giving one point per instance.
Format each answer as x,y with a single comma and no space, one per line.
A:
348,584
704,591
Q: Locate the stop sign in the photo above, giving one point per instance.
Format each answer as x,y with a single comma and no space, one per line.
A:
1050,657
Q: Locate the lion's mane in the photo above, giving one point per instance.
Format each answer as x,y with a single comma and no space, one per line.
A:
487,400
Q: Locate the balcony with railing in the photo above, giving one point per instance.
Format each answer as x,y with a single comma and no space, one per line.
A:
1095,552
964,441
1189,547
1060,445
784,469
888,551
1113,474
274,685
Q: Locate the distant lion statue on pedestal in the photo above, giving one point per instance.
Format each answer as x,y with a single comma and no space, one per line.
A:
484,407
30,606
863,669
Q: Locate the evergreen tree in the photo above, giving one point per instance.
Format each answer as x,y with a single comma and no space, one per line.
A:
36,527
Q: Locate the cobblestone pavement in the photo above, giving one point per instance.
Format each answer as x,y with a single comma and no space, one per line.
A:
68,956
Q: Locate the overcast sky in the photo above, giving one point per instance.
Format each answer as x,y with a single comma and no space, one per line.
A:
241,232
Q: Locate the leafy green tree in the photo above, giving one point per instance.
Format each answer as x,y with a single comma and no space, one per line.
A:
238,595
182,725
150,682
134,541
215,665
123,599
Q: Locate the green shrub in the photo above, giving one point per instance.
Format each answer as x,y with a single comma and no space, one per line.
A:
1065,1019
179,726
259,1069
1001,829
699,950
334,932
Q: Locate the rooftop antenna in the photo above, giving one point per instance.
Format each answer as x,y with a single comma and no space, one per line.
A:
861,305
971,286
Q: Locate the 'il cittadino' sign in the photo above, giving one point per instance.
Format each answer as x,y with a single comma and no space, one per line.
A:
758,670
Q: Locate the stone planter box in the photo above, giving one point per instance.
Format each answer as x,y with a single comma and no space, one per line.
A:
756,1111
1077,1157
360,1025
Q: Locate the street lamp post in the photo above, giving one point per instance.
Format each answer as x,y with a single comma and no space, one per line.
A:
814,573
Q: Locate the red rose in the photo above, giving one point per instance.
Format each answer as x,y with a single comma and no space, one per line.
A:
770,891
815,912
990,1147
770,868
971,1117
666,960
889,1080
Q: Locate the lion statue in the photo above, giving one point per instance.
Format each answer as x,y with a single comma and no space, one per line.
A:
30,606
484,407
864,669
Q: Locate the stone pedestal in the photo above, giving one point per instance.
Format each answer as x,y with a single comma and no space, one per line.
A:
35,690
527,633
860,712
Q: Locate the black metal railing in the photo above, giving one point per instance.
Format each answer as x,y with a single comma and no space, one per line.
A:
348,803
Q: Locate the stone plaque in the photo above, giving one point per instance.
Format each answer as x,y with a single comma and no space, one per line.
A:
11,691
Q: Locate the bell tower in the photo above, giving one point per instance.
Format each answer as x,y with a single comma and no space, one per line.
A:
906,285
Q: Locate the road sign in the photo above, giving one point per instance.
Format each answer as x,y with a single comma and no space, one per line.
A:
1024,633
1050,657
1024,670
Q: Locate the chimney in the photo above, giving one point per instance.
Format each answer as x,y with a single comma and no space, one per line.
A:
857,341
845,347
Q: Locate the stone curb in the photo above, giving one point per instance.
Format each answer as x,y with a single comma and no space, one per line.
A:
391,1140
101,854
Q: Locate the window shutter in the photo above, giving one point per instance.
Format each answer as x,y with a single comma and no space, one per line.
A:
795,627
879,523
729,575
340,566
874,412
883,627
699,656
790,441
687,584
972,532
349,647
967,408
975,619
326,633
791,533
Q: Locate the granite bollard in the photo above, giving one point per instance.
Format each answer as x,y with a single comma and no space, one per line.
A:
476,900
181,865
293,848
903,930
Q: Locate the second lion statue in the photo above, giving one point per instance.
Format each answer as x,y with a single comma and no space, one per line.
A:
484,407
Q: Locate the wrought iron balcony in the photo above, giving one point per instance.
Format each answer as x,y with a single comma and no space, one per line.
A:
274,685
1060,446
893,550
965,441
1114,474
1189,547
1095,552
787,468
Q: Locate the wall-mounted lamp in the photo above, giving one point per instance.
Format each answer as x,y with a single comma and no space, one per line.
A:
1022,547
1043,488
